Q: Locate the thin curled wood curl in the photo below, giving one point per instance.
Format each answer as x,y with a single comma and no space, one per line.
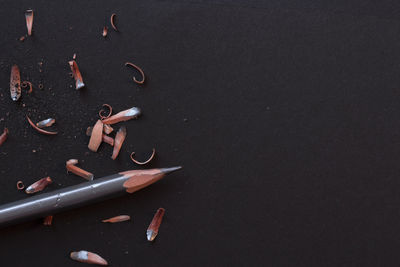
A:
24,84
20,185
138,69
102,110
112,21
144,162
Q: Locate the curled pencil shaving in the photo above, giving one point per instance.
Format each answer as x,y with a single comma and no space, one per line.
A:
105,138
112,19
3,136
48,220
20,185
22,38
29,20
119,140
138,69
124,115
71,167
107,129
105,30
96,136
39,185
38,129
144,162
77,75
152,231
15,83
102,117
87,257
116,219
25,84
45,123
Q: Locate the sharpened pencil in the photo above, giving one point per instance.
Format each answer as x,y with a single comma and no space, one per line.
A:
79,195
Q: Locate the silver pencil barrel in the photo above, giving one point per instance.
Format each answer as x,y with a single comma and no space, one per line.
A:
65,198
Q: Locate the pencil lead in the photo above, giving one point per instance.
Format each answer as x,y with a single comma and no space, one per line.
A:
169,170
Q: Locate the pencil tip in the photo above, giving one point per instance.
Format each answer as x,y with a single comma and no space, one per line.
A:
169,170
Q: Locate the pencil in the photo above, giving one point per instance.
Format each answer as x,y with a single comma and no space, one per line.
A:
79,195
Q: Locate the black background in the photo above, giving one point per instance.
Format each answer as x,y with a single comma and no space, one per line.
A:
284,114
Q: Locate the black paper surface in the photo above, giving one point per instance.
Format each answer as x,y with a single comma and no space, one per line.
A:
284,114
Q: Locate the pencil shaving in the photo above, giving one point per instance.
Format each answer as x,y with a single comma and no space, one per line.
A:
105,138
96,136
119,140
38,129
102,117
15,83
20,185
124,115
138,69
116,219
3,136
77,75
70,165
107,129
105,30
108,139
48,220
45,123
87,257
29,20
25,84
144,162
152,231
39,185
112,21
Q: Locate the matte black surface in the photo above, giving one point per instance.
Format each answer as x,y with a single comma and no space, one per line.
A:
284,114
